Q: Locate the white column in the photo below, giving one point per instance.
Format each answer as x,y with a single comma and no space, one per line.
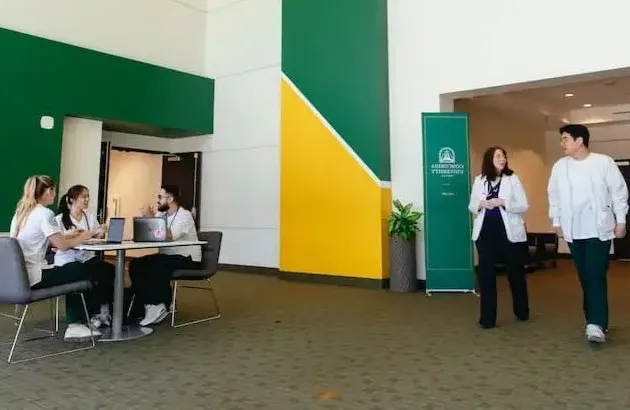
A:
80,156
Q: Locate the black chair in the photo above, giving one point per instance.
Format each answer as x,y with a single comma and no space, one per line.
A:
210,262
16,290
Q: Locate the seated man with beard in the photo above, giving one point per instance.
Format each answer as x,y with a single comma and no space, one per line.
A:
151,274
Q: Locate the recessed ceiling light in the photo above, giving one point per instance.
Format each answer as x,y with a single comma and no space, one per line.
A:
568,95
587,105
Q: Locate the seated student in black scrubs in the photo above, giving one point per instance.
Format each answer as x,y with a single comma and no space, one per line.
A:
498,202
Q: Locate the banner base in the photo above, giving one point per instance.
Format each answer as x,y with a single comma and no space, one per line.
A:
429,292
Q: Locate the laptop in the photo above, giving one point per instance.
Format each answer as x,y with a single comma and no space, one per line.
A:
149,229
115,232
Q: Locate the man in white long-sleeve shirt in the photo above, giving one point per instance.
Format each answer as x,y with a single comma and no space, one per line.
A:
588,203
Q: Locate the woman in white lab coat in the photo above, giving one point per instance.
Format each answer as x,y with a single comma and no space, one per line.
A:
498,202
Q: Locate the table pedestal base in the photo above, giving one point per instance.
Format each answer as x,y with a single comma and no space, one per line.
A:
127,333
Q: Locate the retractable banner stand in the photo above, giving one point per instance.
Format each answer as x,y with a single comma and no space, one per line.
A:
447,222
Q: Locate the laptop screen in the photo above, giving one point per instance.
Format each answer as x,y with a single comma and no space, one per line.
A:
116,229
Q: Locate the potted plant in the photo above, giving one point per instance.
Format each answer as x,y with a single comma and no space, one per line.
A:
402,227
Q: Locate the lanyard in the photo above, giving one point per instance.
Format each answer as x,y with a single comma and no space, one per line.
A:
172,220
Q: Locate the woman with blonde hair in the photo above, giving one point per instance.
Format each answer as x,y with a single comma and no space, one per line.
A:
34,227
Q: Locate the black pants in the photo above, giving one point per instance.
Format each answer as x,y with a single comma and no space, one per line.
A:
591,261
99,272
151,277
493,246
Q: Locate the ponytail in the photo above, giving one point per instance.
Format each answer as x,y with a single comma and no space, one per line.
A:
34,188
64,210
65,204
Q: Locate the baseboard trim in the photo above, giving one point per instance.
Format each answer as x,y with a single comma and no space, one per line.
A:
364,283
261,270
567,256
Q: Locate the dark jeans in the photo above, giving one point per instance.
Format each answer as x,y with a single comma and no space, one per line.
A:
99,272
493,246
151,277
591,261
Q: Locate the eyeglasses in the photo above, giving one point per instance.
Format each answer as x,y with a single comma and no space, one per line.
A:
164,197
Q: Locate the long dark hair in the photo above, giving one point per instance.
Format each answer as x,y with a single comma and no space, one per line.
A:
488,169
66,202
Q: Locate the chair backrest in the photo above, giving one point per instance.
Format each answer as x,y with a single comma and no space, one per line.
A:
210,252
14,285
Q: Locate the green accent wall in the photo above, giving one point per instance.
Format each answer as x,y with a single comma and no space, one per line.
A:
43,77
335,52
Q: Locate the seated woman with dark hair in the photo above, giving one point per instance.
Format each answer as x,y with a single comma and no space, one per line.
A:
73,219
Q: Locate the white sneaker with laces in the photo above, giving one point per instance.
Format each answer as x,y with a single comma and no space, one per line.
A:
154,314
595,334
77,332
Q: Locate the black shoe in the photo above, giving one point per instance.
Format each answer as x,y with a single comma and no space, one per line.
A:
486,325
522,318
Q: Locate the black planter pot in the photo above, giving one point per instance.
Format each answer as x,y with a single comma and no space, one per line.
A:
402,265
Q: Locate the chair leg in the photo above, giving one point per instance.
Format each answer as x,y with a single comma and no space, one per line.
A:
19,329
17,333
133,299
192,322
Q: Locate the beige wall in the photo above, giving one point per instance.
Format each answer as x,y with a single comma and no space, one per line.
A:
80,156
526,147
134,182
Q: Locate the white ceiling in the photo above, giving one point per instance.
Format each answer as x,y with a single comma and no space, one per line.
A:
610,100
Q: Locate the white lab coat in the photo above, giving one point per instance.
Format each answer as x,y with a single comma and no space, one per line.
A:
512,192
608,193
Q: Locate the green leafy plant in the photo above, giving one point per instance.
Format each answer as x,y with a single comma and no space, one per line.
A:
404,221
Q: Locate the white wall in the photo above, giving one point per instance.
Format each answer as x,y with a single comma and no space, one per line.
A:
240,171
169,33
437,48
80,156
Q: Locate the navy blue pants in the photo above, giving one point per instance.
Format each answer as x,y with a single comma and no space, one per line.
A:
494,247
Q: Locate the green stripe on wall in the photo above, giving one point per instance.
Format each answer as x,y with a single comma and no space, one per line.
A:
335,52
42,77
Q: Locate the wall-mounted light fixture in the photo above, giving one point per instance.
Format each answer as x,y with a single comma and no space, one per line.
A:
47,122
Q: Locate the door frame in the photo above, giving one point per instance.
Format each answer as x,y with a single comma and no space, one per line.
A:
104,179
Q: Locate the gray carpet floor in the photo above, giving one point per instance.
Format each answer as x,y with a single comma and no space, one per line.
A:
298,346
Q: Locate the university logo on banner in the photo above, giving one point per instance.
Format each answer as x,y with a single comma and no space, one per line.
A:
447,165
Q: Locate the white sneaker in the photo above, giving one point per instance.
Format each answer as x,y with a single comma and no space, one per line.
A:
100,320
154,314
595,334
77,332
95,322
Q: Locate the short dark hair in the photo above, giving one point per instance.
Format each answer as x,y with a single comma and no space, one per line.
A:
577,131
172,190
488,169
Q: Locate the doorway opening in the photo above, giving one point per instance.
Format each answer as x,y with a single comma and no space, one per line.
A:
526,121
130,179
